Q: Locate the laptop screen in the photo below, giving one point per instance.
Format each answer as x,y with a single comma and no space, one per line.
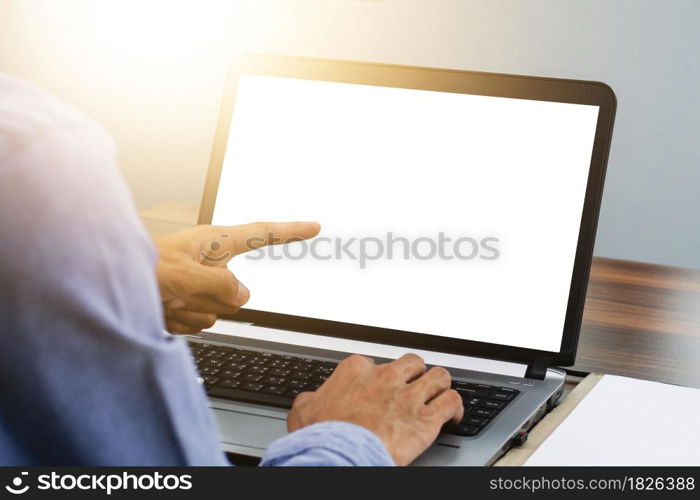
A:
446,214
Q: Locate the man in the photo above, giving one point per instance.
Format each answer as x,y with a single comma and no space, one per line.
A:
88,374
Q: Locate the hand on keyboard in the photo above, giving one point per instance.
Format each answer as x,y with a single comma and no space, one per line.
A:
400,402
270,379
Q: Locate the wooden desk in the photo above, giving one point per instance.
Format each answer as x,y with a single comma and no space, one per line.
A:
641,320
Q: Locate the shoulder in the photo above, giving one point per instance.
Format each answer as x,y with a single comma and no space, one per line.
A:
29,114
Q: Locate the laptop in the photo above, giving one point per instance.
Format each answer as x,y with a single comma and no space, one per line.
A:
458,214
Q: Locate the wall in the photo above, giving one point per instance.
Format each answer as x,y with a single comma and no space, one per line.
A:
152,72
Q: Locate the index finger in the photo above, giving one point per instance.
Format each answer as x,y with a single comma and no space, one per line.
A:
245,237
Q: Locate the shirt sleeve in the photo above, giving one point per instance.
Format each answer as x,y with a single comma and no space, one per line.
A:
328,444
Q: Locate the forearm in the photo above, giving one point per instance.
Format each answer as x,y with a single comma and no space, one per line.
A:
328,444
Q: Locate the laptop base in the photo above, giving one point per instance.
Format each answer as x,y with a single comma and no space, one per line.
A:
248,428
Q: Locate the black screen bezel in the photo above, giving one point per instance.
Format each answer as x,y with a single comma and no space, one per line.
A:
442,80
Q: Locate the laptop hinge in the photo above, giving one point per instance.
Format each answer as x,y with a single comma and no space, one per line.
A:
537,369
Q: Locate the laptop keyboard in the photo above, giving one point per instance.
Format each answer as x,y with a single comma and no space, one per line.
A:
482,403
275,380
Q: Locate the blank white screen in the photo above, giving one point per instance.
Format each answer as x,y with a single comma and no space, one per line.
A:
365,160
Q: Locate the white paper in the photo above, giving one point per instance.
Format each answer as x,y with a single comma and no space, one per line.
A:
366,348
625,421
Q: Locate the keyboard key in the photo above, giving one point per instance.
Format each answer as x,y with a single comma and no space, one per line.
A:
483,412
293,391
279,363
496,405
209,380
508,389
216,353
501,396
237,366
252,377
280,373
478,421
271,379
216,363
259,369
463,385
229,382
298,384
471,392
274,389
238,357
302,375
467,430
472,402
209,370
252,386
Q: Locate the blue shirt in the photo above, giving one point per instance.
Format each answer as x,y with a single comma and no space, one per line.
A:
88,375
